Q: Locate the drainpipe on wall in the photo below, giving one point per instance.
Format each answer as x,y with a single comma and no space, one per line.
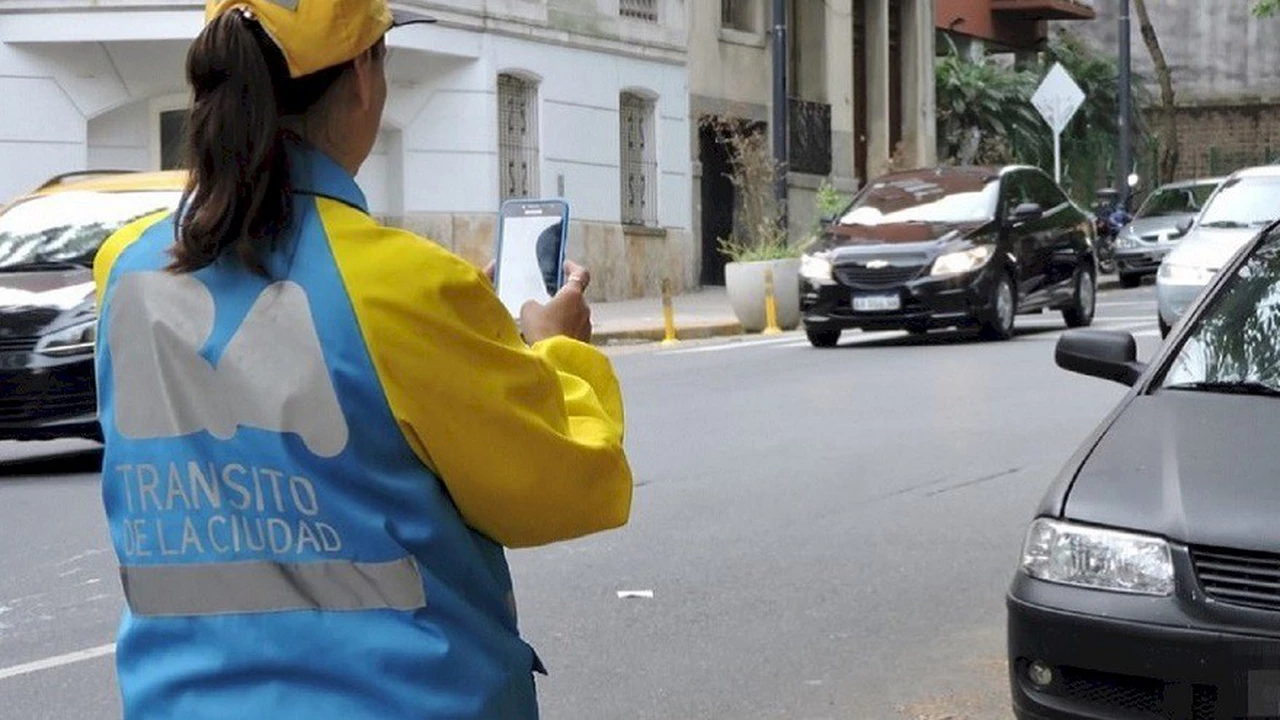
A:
1124,161
781,135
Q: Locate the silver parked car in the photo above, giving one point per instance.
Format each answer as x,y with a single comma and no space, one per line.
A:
1244,204
1158,226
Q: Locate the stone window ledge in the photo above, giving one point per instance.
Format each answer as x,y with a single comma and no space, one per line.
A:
644,231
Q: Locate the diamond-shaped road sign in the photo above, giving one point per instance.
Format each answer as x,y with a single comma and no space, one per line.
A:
1058,98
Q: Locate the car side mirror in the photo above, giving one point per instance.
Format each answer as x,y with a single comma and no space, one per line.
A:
1184,225
1104,354
1026,212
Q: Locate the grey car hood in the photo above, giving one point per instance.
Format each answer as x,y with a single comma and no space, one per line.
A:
1151,228
1194,467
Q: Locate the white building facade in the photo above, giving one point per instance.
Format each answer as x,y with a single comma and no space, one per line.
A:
582,99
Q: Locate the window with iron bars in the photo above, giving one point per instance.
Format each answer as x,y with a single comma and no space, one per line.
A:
639,161
517,137
737,15
639,9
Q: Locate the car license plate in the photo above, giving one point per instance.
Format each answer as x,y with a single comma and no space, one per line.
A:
877,303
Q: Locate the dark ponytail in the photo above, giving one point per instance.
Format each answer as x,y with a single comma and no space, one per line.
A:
238,197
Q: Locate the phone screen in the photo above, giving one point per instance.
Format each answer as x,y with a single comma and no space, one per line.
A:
530,254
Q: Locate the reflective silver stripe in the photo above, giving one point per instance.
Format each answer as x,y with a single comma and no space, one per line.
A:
255,587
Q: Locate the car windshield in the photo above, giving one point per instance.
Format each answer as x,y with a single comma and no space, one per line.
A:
68,228
1176,201
1235,344
1244,203
945,198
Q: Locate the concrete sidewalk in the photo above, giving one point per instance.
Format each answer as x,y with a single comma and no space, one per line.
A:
700,314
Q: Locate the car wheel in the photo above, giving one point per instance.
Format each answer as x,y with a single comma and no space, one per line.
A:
1080,314
1130,281
998,324
1165,328
820,338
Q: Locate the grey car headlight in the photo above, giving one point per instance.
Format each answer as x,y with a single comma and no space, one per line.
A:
1128,241
74,340
1071,554
1172,273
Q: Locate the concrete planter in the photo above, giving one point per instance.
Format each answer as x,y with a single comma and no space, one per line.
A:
744,283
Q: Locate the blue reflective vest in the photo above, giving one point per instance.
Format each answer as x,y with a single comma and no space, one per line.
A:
275,448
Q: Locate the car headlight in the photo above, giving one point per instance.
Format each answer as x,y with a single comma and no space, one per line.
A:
1128,241
73,340
1175,274
816,268
1083,556
963,261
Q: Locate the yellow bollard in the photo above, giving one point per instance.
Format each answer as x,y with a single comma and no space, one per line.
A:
668,315
770,305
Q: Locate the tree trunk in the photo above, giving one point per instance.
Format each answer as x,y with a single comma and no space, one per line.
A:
1168,109
970,144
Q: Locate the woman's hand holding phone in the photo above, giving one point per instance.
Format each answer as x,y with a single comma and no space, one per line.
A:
567,314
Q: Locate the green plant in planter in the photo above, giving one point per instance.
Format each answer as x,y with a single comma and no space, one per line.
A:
759,232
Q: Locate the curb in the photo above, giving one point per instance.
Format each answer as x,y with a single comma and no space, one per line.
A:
658,333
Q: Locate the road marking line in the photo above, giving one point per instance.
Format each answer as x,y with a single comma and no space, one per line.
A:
57,661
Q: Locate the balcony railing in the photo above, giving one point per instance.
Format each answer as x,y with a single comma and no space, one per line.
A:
646,10
810,137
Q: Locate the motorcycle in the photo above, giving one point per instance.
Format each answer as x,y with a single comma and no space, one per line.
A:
1108,220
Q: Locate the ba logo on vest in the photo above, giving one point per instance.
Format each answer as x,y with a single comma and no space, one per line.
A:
271,375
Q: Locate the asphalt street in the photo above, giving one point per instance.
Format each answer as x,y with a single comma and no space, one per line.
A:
824,533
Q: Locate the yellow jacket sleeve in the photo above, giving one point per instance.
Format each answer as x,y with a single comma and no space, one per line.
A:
528,441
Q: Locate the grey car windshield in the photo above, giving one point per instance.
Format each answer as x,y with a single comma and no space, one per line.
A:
1187,200
68,228
1244,202
926,199
1236,342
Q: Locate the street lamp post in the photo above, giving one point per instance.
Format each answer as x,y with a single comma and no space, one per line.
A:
1124,162
781,134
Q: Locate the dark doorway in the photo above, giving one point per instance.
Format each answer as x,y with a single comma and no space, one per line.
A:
717,203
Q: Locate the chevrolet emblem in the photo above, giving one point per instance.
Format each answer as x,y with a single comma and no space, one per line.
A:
877,264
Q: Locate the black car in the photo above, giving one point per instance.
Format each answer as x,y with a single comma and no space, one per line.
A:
1149,584
950,247
48,241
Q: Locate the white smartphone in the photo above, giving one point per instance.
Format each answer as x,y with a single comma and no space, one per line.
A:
530,252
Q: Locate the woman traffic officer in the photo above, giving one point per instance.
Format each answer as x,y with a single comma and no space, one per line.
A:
321,433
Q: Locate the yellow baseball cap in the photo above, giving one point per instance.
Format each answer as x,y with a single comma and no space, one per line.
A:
318,34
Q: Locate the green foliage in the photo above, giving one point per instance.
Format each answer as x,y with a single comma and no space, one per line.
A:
985,113
829,201
759,233
776,249
1090,143
1266,8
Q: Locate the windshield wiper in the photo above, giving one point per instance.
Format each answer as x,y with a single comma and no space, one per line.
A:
1225,224
1229,387
38,266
